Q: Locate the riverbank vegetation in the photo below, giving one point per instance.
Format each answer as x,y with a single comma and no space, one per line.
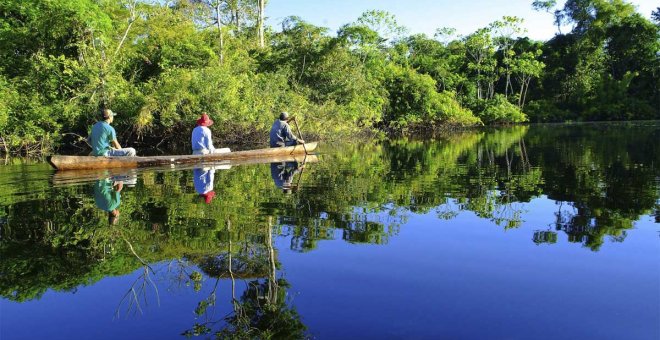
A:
161,64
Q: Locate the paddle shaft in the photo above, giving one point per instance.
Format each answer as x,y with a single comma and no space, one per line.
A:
300,135
301,171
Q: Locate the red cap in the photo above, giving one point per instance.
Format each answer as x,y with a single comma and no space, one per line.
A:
205,120
208,197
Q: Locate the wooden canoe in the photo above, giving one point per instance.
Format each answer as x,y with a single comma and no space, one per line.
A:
76,177
100,162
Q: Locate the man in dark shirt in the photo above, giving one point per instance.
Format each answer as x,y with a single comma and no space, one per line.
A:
280,133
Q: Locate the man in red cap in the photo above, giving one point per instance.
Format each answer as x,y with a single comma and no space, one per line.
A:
202,141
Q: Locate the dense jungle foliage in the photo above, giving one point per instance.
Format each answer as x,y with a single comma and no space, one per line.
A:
160,64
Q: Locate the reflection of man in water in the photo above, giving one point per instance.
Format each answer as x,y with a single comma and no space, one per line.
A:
107,197
203,181
283,173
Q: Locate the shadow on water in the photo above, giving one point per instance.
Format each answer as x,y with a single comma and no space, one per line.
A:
220,219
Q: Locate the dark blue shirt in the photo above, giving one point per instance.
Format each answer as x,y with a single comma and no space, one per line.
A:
282,173
203,180
280,133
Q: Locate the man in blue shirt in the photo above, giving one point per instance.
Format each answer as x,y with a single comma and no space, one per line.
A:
201,139
280,133
103,138
108,198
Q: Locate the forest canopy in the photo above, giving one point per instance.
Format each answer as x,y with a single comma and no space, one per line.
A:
160,64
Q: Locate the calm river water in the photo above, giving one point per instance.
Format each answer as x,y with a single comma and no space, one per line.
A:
528,232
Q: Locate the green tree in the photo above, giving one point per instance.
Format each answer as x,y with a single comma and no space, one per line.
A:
480,50
526,67
505,31
442,62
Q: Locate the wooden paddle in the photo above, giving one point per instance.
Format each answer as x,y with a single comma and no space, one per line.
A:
301,171
299,134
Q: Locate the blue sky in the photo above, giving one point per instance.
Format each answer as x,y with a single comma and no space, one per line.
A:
424,16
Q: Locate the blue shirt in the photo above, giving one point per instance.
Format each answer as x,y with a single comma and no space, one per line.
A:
100,138
203,180
280,133
282,173
105,196
201,139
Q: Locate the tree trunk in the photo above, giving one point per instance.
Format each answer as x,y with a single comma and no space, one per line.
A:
5,146
219,24
272,270
522,89
478,84
525,93
237,20
231,274
262,8
131,20
302,70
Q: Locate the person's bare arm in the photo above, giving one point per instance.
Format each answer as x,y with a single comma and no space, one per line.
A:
115,144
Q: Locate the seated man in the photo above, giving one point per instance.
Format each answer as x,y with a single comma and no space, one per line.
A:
103,138
201,139
280,133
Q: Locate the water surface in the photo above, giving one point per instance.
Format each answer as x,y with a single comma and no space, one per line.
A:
542,232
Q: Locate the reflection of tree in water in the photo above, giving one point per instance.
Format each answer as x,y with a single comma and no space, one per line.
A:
605,184
544,236
582,227
137,292
56,238
493,177
262,311
504,180
360,226
365,232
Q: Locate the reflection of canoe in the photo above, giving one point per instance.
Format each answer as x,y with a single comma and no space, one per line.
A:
91,162
73,177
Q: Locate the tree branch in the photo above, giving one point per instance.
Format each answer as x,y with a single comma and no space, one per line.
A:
130,23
